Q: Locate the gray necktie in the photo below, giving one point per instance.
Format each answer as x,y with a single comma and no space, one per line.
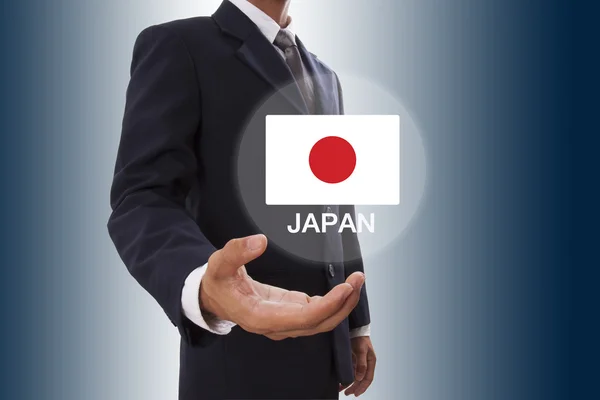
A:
285,41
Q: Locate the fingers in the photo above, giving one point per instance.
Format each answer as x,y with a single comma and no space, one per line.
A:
277,317
236,253
357,279
361,363
362,383
324,321
334,320
351,389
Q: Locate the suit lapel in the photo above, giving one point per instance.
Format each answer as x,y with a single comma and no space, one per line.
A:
258,54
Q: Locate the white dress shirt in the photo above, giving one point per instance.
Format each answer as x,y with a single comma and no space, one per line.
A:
190,294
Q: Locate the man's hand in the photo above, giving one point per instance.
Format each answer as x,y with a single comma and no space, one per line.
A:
230,294
364,360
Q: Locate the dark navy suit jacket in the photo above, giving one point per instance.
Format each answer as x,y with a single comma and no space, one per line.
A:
195,84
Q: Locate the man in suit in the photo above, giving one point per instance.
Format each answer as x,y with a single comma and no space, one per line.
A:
255,321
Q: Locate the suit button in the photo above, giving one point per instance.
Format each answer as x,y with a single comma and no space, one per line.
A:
331,270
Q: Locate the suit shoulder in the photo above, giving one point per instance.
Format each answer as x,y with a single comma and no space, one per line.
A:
191,26
187,28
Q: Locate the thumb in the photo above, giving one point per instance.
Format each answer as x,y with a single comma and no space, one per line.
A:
236,253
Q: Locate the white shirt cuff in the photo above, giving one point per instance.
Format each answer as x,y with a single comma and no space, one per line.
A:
190,303
362,331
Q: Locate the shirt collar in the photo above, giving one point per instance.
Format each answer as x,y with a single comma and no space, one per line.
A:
265,24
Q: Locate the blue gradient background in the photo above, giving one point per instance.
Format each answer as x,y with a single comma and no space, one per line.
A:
476,300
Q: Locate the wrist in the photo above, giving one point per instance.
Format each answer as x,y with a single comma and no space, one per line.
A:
205,301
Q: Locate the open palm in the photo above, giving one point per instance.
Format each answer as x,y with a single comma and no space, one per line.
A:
231,294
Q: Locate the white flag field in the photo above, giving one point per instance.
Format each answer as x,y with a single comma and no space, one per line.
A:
332,159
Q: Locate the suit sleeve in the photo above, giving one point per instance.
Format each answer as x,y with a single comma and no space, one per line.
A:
155,236
360,316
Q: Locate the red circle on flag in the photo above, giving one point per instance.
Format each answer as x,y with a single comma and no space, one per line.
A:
332,159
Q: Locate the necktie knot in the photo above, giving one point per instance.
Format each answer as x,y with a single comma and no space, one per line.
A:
284,39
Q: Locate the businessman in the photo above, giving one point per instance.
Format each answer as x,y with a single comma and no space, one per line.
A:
255,322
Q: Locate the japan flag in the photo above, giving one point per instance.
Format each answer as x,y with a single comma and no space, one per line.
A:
332,159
